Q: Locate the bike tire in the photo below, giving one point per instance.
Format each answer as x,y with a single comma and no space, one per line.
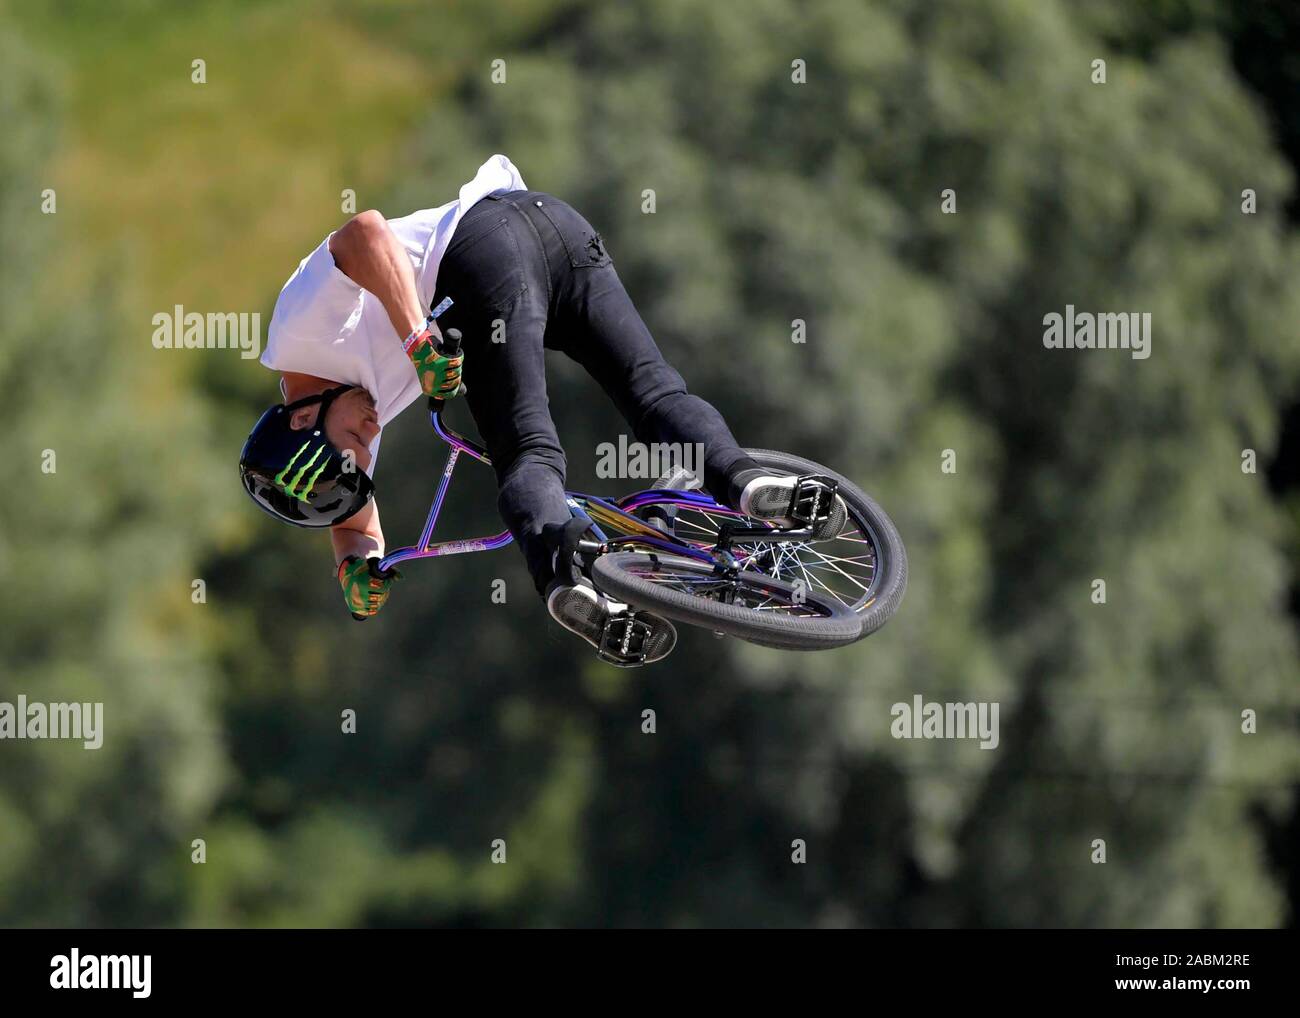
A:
891,582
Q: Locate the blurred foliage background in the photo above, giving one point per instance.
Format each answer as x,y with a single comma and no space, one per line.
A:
775,201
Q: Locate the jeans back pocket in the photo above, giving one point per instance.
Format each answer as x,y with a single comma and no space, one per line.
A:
583,244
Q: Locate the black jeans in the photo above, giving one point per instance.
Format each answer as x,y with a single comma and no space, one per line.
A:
533,264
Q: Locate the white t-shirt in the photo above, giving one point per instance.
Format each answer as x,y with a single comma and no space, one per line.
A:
326,325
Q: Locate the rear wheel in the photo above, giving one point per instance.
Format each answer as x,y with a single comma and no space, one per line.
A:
864,568
744,604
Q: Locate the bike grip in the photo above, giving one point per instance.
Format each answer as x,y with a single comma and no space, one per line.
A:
450,345
436,404
391,572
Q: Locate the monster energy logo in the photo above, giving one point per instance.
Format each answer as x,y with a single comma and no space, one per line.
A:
290,487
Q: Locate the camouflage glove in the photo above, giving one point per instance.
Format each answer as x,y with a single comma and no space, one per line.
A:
365,588
439,375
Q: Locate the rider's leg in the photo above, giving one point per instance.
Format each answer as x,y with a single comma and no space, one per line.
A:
502,274
494,270
497,271
595,323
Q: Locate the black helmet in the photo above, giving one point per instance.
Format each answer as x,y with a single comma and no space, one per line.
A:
298,476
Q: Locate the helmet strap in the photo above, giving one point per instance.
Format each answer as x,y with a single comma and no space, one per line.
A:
324,398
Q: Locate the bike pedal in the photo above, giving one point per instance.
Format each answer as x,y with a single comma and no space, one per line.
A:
813,500
625,640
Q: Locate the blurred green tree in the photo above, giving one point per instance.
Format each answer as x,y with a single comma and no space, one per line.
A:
101,518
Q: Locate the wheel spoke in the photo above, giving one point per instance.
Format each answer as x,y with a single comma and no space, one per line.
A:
842,567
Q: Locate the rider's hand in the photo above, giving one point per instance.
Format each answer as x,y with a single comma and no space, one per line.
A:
439,375
365,588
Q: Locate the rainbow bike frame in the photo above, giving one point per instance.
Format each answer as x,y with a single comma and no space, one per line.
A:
615,516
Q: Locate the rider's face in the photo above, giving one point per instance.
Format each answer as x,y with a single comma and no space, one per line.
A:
351,423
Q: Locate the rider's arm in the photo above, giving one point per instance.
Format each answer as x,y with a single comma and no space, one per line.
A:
358,544
369,253
361,535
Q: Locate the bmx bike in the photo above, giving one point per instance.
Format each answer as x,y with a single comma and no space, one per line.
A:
673,550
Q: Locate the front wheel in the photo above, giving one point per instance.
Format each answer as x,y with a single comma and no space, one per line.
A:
748,605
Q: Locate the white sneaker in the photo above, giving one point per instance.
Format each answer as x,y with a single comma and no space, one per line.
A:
771,498
585,611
